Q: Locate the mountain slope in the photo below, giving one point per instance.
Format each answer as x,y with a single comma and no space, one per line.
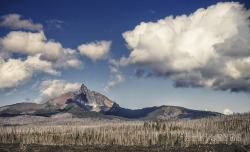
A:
93,103
85,103
84,98
160,113
20,108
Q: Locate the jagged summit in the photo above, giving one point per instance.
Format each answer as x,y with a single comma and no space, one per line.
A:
88,100
84,89
91,100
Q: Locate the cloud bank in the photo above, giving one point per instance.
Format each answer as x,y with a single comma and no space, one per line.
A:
209,48
15,71
40,56
53,88
28,43
95,50
23,55
13,21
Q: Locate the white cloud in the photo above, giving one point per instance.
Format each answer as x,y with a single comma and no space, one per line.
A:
31,43
28,43
46,56
209,48
69,59
115,77
13,21
16,71
227,112
53,88
113,70
73,63
114,81
96,50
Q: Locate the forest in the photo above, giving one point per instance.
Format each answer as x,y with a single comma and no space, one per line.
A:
65,130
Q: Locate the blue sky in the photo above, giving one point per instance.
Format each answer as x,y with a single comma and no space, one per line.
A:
134,70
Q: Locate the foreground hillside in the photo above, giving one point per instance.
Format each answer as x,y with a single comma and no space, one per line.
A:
233,130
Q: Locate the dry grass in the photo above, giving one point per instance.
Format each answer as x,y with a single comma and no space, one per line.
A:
65,130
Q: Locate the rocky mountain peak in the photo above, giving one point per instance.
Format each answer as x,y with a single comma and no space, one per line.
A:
86,99
84,89
92,101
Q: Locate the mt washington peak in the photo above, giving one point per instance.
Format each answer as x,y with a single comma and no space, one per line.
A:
86,103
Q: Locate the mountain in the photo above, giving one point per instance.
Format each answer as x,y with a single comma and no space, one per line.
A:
85,103
160,113
84,98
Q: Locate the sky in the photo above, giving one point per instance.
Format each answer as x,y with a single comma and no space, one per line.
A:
140,53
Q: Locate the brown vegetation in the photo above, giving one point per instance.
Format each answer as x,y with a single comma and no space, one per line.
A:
120,148
233,129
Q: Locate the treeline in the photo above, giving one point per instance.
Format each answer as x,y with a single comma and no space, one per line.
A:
233,129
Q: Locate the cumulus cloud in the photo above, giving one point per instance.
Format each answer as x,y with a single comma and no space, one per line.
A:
114,81
53,88
73,63
16,71
23,55
28,43
227,112
95,50
209,48
115,77
68,59
31,43
13,21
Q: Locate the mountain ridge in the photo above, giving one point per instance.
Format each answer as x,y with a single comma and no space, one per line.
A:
84,103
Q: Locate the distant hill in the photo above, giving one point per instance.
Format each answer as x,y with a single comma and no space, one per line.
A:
90,104
160,113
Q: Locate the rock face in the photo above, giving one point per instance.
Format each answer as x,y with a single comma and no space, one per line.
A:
84,98
92,101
